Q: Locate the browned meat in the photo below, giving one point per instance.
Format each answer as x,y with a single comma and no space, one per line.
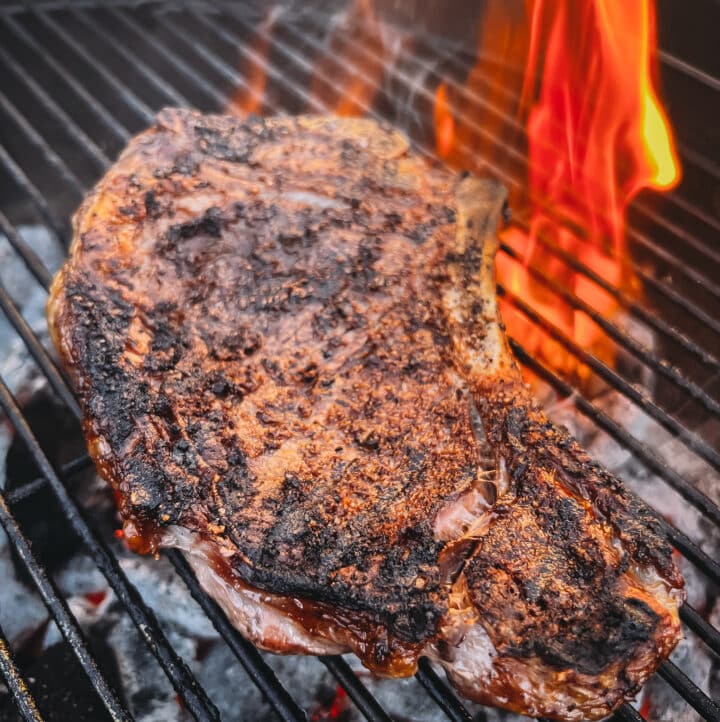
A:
285,340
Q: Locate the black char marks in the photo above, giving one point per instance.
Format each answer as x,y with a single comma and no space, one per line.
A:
257,323
284,361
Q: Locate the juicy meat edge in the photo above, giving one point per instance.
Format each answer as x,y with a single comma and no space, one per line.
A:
464,645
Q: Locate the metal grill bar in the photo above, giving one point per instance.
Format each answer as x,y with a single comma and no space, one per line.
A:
689,691
70,80
701,161
690,70
603,421
441,693
691,551
144,619
626,713
34,137
171,93
67,624
203,84
313,104
697,244
641,312
18,687
38,352
641,353
357,691
83,140
689,492
28,187
702,628
31,258
230,74
66,470
260,673
143,111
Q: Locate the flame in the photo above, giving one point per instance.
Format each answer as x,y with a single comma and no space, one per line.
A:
348,76
250,97
660,152
596,136
443,122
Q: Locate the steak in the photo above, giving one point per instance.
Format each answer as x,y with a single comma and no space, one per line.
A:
286,344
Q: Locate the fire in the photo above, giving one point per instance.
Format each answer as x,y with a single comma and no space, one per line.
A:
348,77
250,98
443,122
660,153
597,135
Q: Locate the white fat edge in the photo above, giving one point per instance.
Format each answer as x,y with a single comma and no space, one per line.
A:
250,611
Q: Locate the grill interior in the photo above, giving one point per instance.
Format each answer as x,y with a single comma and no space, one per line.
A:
79,81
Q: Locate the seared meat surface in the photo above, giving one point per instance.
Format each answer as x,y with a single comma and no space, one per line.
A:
285,341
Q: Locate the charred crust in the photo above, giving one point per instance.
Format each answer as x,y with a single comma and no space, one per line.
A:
166,374
276,368
548,582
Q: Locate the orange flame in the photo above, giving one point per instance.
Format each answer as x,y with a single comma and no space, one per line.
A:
349,75
250,97
443,122
597,135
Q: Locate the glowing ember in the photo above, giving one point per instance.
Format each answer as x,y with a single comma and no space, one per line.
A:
333,709
96,598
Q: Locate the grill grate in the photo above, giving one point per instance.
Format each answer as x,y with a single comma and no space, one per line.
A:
182,67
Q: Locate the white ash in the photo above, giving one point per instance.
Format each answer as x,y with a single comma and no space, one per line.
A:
21,613
17,368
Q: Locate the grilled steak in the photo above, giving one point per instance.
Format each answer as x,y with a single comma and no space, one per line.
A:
285,341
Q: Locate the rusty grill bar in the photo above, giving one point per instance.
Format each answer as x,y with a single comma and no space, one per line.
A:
189,70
